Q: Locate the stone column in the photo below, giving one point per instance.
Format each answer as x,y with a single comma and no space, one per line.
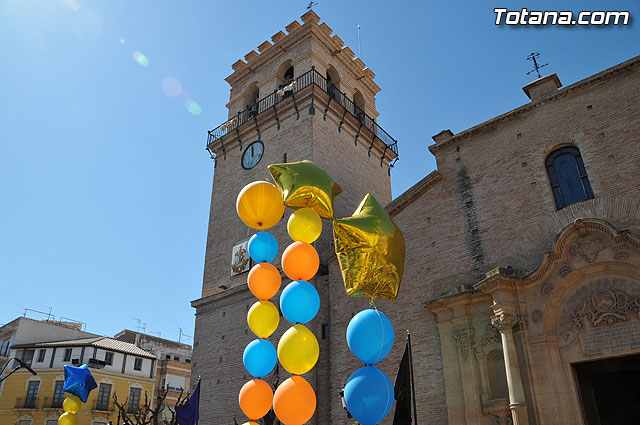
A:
463,335
504,322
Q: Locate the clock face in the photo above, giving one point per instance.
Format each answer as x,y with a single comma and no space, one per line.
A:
252,155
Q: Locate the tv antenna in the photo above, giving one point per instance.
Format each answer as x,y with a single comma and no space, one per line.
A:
359,46
140,325
181,335
311,4
536,68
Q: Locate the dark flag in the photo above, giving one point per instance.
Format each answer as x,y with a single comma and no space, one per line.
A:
402,391
188,413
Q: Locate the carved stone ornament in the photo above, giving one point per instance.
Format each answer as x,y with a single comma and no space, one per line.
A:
587,248
504,321
491,335
565,270
622,255
606,308
604,302
536,316
240,259
500,409
521,325
464,339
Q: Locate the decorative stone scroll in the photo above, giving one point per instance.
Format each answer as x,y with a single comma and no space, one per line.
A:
491,335
593,310
504,321
587,248
464,339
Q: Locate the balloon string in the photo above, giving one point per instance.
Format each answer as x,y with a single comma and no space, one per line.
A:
372,304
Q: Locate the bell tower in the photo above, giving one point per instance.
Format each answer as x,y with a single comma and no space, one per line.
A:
302,95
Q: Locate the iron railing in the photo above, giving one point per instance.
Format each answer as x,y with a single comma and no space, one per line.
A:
104,405
27,403
305,80
52,402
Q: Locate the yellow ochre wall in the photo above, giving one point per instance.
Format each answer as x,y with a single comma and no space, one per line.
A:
16,386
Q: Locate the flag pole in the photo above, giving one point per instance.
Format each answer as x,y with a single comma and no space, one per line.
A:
413,387
199,379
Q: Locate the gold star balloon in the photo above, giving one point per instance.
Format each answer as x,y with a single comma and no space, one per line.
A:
370,250
304,184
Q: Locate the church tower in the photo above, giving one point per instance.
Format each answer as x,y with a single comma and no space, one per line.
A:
303,95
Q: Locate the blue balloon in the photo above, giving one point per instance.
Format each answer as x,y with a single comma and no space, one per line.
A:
369,395
370,336
299,302
263,247
260,357
78,381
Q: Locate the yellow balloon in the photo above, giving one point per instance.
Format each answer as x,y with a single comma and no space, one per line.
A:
304,225
250,423
72,404
263,318
67,419
298,350
260,205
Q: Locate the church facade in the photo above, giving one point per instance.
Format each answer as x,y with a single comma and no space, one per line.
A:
522,275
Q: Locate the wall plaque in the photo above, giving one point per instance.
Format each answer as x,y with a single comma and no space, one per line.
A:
240,260
615,338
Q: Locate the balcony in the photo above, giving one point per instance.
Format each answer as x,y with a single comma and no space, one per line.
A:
103,406
27,403
52,402
307,79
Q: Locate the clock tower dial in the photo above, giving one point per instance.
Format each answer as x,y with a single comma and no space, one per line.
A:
252,155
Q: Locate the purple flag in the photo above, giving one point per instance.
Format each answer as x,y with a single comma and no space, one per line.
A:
188,413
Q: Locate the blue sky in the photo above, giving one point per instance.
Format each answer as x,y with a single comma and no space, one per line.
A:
104,106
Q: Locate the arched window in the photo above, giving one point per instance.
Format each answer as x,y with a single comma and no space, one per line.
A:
251,97
288,74
358,100
568,177
333,79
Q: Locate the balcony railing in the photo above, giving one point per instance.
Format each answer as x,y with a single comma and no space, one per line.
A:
52,402
27,403
305,80
103,406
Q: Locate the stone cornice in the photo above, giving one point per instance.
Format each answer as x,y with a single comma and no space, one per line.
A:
227,293
606,74
450,300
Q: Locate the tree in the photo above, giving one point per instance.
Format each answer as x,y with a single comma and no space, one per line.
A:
146,415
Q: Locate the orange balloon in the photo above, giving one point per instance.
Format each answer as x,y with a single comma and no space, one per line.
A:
300,261
255,399
264,281
294,401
